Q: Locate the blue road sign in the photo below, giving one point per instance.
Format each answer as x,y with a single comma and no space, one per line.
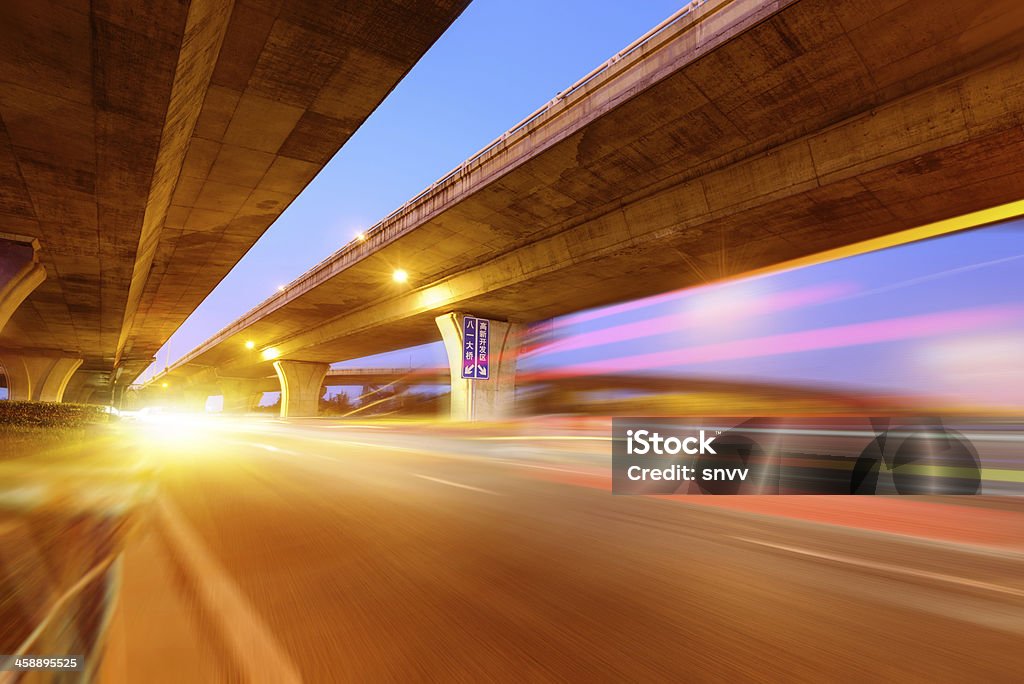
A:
476,334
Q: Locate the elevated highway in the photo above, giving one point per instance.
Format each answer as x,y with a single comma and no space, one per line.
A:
244,394
737,136
545,393
144,148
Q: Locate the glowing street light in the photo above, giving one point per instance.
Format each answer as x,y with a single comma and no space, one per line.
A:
400,275
164,385
361,236
280,288
270,353
249,344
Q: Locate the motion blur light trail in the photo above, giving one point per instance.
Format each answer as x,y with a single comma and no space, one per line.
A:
678,322
373,551
412,549
909,327
67,508
952,283
175,430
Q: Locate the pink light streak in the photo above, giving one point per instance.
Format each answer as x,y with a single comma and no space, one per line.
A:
767,304
874,332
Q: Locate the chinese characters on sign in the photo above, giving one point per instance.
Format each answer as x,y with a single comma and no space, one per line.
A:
475,347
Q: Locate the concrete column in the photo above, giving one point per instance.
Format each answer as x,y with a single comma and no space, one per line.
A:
241,395
490,399
85,395
78,391
38,378
20,273
194,400
73,391
132,400
302,385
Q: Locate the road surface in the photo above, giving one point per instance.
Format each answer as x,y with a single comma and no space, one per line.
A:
340,552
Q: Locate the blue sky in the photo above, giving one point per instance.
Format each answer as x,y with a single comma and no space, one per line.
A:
499,62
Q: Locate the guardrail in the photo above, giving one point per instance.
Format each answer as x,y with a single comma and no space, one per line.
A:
452,176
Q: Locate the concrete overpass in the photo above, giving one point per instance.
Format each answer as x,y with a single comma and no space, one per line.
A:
244,394
144,148
738,136
547,392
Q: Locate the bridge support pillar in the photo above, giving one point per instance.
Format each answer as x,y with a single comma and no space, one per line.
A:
193,400
38,378
302,385
490,399
241,395
20,273
78,392
83,396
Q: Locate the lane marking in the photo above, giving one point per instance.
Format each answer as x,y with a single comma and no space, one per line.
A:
352,427
272,448
454,484
886,567
372,445
542,438
256,652
540,467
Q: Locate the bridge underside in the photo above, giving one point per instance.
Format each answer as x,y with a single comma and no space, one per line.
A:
765,137
146,146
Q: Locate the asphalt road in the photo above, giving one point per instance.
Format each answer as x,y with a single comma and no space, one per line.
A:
326,552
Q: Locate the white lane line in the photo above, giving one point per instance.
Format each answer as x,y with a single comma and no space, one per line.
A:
373,445
542,438
256,652
352,427
454,484
272,448
886,567
540,467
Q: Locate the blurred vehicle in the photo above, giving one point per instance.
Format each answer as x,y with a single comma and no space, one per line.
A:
147,414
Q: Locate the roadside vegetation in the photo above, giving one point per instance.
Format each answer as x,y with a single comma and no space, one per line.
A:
28,427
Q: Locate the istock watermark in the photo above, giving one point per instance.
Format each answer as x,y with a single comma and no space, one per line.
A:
812,456
643,442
